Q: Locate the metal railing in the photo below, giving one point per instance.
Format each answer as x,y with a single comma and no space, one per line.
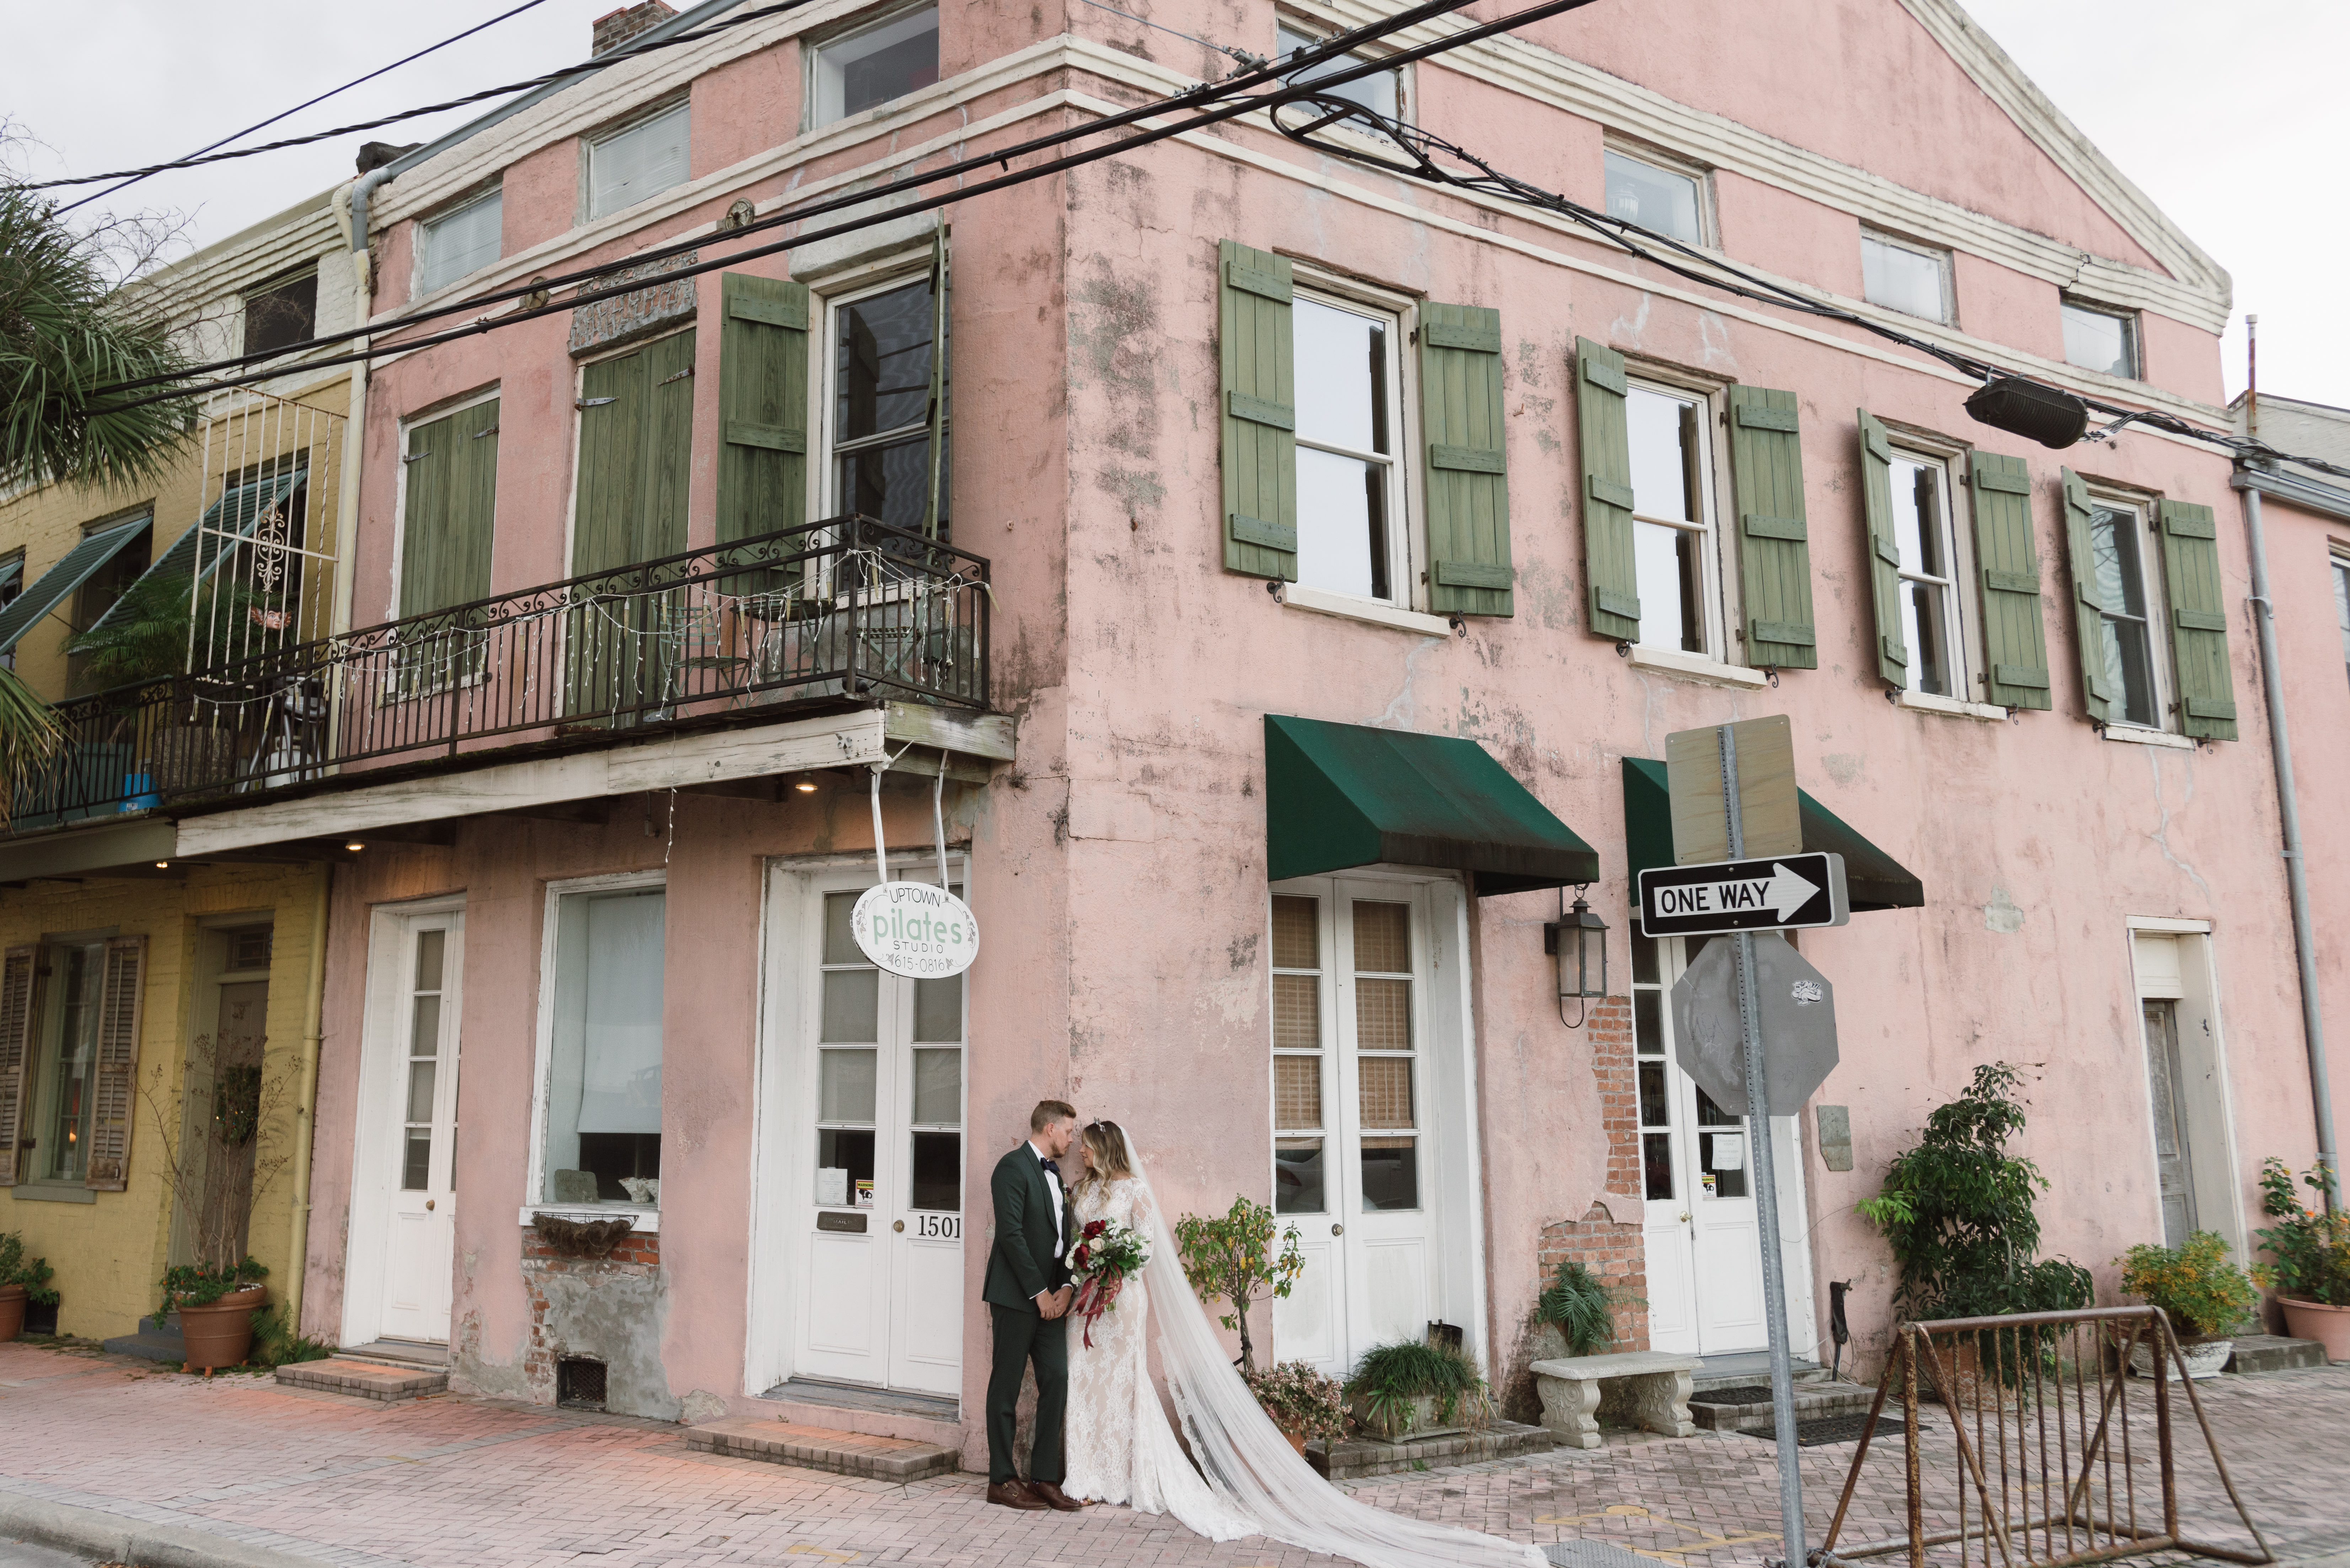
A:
847,610
2047,1462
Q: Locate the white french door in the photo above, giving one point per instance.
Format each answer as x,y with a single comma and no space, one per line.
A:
421,1134
880,1300
1356,1155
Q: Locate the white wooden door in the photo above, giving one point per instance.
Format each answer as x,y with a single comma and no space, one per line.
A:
881,1303
1354,1148
422,1234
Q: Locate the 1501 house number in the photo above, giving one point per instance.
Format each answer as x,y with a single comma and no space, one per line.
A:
942,1226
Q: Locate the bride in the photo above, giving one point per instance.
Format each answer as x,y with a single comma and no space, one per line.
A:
1117,1444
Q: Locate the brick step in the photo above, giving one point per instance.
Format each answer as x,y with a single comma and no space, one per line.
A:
363,1379
1351,1458
1748,1409
822,1449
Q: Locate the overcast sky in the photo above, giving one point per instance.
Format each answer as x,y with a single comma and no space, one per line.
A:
2231,117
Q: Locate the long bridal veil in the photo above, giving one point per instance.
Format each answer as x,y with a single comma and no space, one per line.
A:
1245,1457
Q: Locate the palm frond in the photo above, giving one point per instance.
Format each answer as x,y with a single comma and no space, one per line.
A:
29,737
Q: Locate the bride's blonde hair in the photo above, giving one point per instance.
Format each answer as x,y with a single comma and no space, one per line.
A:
1107,1159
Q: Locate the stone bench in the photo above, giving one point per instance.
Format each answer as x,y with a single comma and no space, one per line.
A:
1641,1387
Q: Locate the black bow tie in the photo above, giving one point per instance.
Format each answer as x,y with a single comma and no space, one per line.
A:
1054,1166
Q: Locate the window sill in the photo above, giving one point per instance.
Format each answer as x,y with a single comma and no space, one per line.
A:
1322,601
1695,666
2132,735
52,1192
1926,703
647,1216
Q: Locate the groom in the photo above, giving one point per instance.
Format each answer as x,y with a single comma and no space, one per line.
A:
1028,1293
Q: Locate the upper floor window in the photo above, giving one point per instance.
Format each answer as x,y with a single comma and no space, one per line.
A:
1348,479
1643,190
639,160
460,242
867,68
881,343
2131,612
282,313
1903,275
1381,92
1925,532
2342,605
2100,339
1672,516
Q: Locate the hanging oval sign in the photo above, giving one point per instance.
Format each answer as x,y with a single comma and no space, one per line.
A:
916,929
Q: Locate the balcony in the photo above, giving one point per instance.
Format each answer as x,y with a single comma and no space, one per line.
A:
840,615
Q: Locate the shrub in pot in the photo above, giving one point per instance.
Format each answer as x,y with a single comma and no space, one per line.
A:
22,1281
1413,1389
215,1307
2309,1253
1304,1403
1582,1307
2199,1291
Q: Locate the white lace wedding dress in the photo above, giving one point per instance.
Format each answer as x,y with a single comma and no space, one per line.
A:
1118,1445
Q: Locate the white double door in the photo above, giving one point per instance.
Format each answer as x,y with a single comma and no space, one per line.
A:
415,1024
1701,1232
880,1299
1360,1139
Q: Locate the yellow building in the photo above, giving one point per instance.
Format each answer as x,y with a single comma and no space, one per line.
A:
144,997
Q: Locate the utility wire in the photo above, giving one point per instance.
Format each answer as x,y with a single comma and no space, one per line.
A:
598,63
248,131
1217,102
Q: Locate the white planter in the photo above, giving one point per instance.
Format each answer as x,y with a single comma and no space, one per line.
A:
1421,1423
2204,1359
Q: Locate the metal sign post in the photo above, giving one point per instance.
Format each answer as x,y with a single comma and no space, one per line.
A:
1766,1207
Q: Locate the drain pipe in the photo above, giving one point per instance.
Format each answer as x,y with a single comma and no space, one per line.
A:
2296,867
305,1098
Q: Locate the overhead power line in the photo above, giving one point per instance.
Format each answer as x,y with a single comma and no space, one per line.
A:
1215,101
308,103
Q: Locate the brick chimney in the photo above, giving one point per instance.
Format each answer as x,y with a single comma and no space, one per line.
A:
615,28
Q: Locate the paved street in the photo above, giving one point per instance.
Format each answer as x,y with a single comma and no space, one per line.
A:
453,1483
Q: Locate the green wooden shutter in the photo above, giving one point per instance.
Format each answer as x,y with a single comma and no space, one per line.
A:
424,530
2088,600
2015,651
1260,412
668,444
16,1017
1613,598
1884,551
1461,417
2199,621
473,505
763,406
611,463
121,1004
1774,551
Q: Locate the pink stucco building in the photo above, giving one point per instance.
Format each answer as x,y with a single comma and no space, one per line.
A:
1319,553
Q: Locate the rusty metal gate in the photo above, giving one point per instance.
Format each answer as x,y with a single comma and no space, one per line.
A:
2046,1465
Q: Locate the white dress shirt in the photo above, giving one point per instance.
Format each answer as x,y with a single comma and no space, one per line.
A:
1053,1180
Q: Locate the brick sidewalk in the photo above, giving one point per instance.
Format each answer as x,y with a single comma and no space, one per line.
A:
453,1484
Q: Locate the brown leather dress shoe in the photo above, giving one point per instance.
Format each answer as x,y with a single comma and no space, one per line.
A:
1053,1497
1015,1494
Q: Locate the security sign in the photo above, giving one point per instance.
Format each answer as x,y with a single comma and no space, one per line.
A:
1781,893
916,929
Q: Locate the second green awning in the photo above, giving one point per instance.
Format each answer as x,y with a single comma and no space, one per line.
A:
1877,880
1341,795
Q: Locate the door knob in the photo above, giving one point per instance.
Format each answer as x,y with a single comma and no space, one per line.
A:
428,1203
1338,1230
1684,1216
897,1224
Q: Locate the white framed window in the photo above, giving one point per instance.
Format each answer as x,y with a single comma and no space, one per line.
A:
637,161
878,340
2342,605
600,1072
1655,192
2098,340
1348,359
1382,92
868,68
1904,276
2130,632
460,242
1932,620
1669,432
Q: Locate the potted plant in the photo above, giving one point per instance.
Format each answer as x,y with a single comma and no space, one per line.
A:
215,1306
1231,1259
1414,1388
1582,1307
22,1280
1957,1212
2202,1293
2309,1250
1304,1403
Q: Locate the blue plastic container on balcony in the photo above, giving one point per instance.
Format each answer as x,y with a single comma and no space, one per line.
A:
139,792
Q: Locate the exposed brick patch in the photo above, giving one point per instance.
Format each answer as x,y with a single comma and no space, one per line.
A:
638,1253
1609,1032
1611,1249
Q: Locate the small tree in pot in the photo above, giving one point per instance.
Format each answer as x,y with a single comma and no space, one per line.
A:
2202,1295
1231,1259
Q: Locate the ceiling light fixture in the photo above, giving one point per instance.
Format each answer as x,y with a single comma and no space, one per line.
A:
354,847
805,783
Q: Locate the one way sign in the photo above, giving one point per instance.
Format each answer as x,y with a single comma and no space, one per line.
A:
1778,893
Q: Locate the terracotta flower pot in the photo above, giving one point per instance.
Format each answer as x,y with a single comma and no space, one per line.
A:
12,1312
220,1334
2329,1325
1296,1435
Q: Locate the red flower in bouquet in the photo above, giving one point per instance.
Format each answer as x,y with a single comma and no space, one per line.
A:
1104,1256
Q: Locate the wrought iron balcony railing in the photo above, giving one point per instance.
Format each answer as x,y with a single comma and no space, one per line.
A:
847,610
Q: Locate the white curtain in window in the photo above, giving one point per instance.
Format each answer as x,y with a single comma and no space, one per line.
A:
462,243
640,160
620,1022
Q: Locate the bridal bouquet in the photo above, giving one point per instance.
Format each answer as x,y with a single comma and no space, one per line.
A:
1104,1254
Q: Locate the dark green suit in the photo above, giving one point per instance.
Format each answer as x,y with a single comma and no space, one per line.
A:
1021,1266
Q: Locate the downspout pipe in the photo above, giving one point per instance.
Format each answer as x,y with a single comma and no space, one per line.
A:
2296,866
305,1099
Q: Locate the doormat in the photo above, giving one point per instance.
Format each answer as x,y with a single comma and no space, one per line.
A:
1747,1394
1840,1429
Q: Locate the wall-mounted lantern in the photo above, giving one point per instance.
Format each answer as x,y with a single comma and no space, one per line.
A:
1578,940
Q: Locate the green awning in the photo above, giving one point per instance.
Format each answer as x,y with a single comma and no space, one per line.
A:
238,510
1877,881
80,563
1341,795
